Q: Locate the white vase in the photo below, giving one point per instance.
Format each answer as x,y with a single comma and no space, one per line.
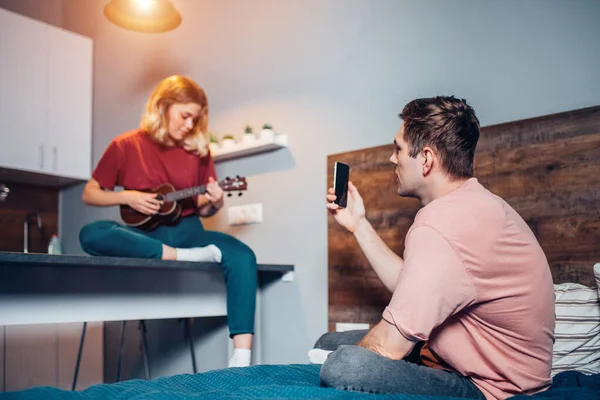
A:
267,134
227,143
248,138
213,147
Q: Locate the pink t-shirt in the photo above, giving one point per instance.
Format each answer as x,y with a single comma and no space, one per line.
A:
476,286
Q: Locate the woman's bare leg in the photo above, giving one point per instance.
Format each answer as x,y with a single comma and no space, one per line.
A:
168,253
210,253
242,341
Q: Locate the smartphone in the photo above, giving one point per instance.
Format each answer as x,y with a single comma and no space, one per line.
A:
341,176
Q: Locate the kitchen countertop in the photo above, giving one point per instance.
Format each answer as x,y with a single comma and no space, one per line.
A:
37,288
41,259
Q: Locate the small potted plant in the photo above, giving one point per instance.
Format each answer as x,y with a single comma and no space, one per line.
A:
213,142
227,141
267,132
248,135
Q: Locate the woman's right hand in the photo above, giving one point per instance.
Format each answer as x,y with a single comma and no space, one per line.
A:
145,203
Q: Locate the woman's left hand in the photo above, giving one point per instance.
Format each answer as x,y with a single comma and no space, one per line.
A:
214,193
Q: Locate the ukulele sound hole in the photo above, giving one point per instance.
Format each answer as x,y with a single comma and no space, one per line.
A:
159,197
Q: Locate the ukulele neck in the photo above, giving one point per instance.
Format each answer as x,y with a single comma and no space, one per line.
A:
185,193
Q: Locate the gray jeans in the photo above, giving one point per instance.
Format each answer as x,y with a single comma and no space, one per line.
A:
355,368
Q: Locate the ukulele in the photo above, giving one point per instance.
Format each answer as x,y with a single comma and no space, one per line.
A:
170,212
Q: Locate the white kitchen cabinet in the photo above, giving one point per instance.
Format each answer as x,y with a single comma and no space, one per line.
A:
23,92
45,98
30,358
69,104
46,354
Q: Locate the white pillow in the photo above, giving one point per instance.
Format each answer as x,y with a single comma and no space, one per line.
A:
577,329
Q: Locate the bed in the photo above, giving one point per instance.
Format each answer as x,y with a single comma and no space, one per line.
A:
554,193
296,381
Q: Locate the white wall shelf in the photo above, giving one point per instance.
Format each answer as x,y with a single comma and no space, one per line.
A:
244,149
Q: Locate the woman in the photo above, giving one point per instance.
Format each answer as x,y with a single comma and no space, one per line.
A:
171,146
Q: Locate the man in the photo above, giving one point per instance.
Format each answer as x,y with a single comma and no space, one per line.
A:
474,284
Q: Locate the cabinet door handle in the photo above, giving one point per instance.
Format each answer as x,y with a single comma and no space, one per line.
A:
55,154
41,156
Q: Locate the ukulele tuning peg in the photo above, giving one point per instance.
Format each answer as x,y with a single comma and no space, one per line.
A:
228,194
226,178
240,194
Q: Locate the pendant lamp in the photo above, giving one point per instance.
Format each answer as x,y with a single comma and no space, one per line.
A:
151,16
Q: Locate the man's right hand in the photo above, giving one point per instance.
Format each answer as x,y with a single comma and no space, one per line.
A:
354,212
145,203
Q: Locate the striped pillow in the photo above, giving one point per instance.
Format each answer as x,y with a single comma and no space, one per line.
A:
577,329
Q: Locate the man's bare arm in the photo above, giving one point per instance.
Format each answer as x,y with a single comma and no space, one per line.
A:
384,261
385,340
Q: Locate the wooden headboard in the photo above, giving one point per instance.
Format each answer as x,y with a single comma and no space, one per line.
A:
547,168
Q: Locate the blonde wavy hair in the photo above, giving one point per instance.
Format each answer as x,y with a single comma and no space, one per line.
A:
177,89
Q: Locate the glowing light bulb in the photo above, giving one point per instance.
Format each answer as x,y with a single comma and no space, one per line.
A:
145,5
143,15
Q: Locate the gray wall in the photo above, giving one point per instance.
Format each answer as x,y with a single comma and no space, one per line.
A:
333,75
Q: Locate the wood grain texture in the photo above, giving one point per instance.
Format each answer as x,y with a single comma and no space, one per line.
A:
547,168
22,200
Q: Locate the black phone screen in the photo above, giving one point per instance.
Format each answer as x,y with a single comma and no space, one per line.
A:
341,175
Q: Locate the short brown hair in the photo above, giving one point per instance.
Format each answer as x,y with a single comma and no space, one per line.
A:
169,91
447,124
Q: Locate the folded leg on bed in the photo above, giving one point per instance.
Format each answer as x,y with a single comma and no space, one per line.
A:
330,341
333,340
355,368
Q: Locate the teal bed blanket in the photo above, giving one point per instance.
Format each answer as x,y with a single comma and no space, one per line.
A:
268,382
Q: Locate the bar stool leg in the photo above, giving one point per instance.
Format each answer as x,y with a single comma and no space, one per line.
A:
120,361
78,363
188,332
142,327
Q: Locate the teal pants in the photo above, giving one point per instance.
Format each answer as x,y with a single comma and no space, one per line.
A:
238,262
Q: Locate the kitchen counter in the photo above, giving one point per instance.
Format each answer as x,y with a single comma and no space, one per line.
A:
41,259
41,288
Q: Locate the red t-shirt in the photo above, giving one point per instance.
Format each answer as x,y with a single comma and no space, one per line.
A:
135,161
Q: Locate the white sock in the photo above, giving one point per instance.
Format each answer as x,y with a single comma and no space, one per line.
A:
210,253
240,358
318,356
